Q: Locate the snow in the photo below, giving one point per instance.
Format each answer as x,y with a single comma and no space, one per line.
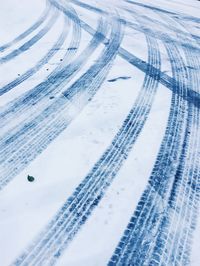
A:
27,208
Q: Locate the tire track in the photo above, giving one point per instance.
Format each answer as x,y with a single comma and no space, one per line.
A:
152,33
28,103
180,187
192,169
87,195
163,11
45,251
150,27
27,32
178,224
37,99
40,64
89,7
100,11
169,82
35,136
27,45
183,204
141,234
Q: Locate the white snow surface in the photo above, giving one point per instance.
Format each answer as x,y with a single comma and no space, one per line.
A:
26,208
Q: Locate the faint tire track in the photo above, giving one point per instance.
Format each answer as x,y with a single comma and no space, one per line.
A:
80,205
162,226
135,246
51,248
169,82
40,64
31,138
28,102
27,45
183,203
27,32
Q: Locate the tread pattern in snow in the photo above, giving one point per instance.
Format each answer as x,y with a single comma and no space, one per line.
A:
161,228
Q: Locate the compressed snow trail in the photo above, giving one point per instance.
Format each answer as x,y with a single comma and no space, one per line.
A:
140,61
27,32
137,239
52,119
26,46
191,96
39,65
80,205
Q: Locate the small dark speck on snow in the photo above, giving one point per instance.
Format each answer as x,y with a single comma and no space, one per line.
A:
72,48
115,79
30,178
190,67
51,97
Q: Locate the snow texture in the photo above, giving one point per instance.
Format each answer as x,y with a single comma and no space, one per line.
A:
100,126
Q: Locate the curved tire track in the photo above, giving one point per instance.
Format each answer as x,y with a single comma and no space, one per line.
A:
50,248
147,237
27,45
87,195
22,146
40,64
28,102
183,205
27,32
191,96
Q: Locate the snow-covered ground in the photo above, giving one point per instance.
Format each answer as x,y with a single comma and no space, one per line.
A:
100,103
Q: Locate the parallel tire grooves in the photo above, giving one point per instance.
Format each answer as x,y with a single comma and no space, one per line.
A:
35,136
161,228
38,96
27,45
183,204
28,102
169,82
51,248
87,195
27,32
40,64
135,246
